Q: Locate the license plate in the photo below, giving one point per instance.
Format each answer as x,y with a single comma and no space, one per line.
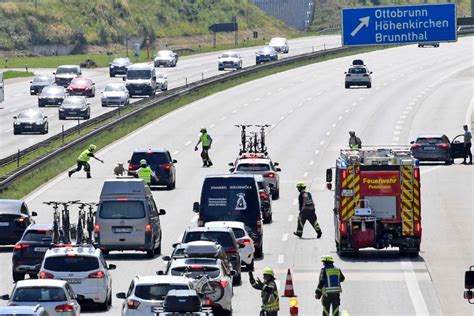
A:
347,192
41,249
122,230
72,113
27,127
431,148
73,281
4,224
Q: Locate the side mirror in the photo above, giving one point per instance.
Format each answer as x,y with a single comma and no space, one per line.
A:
277,169
34,214
111,267
371,72
175,161
230,164
31,81
241,246
93,83
14,117
54,73
412,142
121,295
5,297
128,161
231,169
276,164
45,116
329,175
160,272
329,186
196,207
80,297
162,212
175,244
469,279
345,72
166,258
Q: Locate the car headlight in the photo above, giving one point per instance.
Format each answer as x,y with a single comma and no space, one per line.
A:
61,110
16,123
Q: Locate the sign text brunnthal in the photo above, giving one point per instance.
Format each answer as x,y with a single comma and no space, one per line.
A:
399,24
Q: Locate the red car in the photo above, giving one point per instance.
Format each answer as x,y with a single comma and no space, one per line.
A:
81,86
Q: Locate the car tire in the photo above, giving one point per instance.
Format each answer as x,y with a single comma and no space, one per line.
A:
258,252
45,130
221,69
171,186
61,117
237,280
347,86
40,105
151,253
15,132
17,276
88,116
268,219
112,75
369,86
448,162
105,252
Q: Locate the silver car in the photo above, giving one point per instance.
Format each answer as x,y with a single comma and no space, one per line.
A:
358,76
231,60
166,58
115,94
280,44
37,310
162,81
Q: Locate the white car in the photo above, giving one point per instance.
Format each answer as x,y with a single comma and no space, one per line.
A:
280,44
115,94
84,268
146,293
358,76
166,58
231,60
243,238
162,81
55,296
220,279
37,310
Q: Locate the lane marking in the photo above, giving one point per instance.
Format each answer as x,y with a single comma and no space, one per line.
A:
328,133
9,130
257,99
396,133
281,259
282,118
346,110
334,125
223,118
316,152
398,127
175,153
396,139
311,162
290,218
414,288
354,104
212,126
12,110
305,175
400,121
187,143
322,142
268,93
246,104
425,171
340,117
291,111
284,237
235,111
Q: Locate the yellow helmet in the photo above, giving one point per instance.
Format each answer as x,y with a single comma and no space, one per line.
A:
143,162
92,147
327,258
300,185
268,271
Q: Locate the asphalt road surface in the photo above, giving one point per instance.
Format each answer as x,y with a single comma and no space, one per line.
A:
191,68
414,91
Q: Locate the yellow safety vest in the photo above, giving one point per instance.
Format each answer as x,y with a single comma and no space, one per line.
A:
145,174
273,304
205,140
84,156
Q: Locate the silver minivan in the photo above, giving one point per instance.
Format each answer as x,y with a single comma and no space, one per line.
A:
127,218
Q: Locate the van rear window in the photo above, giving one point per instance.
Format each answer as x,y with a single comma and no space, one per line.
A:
152,159
122,210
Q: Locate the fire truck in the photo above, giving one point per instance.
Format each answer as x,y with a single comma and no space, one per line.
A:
377,200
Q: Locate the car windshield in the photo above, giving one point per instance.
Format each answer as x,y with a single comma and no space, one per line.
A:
157,291
71,263
38,235
153,159
80,81
222,238
122,210
121,61
429,140
42,80
164,54
66,70
358,70
39,294
195,271
74,102
138,74
113,87
253,167
30,114
358,62
54,90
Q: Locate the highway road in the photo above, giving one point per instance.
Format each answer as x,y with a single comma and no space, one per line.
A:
190,68
414,91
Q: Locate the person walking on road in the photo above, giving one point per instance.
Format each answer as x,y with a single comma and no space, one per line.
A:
83,161
145,172
206,141
307,211
329,286
354,141
269,292
467,144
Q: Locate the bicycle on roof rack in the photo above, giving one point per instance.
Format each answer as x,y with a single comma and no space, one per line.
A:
57,230
252,141
85,222
243,136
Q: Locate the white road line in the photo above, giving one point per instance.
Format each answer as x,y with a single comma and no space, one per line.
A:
281,259
414,288
406,112
411,103
396,133
347,110
311,162
295,201
223,118
309,98
400,121
403,117
257,99
187,143
284,237
246,104
8,130
398,127
354,104
425,171
282,118
334,125
305,175
290,218
340,118
409,107
322,142
396,139
12,110
18,94
268,93
291,111
212,126
316,152
175,153
235,111
328,133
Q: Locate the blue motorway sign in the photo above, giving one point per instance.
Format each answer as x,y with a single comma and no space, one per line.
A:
399,24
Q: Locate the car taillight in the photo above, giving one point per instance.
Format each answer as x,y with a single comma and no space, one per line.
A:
166,166
417,173
232,251
443,145
264,195
223,283
245,242
96,228
96,275
208,301
418,228
147,228
196,267
270,175
46,275
64,308
19,246
132,166
343,228
415,146
133,304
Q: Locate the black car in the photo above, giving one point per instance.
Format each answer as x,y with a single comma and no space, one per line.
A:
437,148
119,66
160,161
75,107
29,251
51,95
266,54
358,62
14,218
39,82
30,121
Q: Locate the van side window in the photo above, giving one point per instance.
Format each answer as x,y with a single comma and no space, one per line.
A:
153,209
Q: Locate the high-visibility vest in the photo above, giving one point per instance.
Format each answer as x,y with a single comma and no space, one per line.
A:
309,205
84,156
332,283
205,140
145,174
273,302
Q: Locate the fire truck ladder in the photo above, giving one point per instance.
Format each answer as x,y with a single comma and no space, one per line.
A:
407,199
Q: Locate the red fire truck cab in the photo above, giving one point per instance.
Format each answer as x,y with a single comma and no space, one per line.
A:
377,200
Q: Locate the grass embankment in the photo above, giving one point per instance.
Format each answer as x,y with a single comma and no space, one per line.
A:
10,74
60,164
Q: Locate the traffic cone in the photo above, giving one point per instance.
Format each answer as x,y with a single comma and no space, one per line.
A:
289,292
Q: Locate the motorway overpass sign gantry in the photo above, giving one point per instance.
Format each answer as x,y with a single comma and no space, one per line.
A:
399,24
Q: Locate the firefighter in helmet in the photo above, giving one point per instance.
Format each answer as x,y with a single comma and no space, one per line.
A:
329,286
269,292
83,161
307,211
354,141
145,172
206,141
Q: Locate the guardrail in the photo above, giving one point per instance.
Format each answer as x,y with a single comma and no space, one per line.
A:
142,106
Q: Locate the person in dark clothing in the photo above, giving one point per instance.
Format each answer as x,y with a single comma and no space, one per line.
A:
269,292
307,211
83,161
329,286
354,141
467,144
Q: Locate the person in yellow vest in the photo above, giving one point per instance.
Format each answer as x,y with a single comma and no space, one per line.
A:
83,161
145,172
329,286
269,292
206,141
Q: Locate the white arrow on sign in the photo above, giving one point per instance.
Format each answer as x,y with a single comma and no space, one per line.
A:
363,22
